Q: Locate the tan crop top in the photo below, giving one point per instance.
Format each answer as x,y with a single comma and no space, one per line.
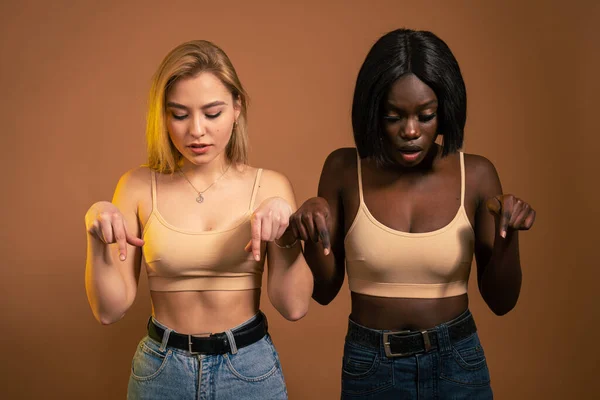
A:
388,263
180,260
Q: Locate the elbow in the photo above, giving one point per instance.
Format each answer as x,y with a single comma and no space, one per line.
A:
291,309
322,300
109,312
109,319
296,310
106,321
502,299
324,294
295,315
502,310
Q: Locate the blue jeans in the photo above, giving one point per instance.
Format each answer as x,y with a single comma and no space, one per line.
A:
450,371
161,372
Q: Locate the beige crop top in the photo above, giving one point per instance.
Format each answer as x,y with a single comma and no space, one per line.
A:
180,260
388,263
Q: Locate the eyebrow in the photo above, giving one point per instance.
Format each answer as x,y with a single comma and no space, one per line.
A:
172,104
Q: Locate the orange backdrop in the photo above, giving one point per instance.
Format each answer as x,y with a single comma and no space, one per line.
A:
74,79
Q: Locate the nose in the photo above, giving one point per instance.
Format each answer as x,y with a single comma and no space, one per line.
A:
197,128
410,130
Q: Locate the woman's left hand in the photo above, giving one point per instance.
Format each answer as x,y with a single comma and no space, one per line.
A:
511,213
269,221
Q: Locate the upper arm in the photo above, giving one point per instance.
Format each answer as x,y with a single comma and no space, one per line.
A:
276,184
131,186
330,188
487,184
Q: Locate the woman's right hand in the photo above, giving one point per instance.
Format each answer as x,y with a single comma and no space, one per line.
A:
104,222
312,222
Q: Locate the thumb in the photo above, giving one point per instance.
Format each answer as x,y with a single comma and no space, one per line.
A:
134,241
494,205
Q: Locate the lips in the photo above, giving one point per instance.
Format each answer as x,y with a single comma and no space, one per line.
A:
410,154
410,149
199,148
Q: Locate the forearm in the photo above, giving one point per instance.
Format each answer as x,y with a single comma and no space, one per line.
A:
327,278
290,282
292,292
105,287
500,283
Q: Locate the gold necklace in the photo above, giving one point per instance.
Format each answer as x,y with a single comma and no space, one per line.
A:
200,197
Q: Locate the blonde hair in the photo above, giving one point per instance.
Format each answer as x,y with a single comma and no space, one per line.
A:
187,60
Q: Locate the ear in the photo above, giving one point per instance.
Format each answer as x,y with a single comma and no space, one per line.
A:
237,107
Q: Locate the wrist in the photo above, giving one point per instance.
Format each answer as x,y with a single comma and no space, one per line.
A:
286,241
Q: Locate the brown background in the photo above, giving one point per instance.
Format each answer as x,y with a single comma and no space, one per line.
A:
74,78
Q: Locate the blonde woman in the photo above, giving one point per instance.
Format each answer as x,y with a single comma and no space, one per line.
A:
201,221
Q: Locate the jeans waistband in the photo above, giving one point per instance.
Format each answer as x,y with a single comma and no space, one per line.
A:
406,343
229,341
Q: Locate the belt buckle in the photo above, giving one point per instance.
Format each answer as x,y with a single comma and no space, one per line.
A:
386,344
388,350
207,334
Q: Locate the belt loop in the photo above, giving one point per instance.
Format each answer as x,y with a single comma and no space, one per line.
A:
426,341
444,343
231,339
165,339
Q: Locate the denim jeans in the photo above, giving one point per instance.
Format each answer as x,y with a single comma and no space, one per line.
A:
161,372
450,371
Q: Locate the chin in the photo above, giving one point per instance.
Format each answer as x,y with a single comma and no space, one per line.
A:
203,159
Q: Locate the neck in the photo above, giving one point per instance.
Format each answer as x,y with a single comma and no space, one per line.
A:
205,173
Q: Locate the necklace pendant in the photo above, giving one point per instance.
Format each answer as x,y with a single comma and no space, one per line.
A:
200,198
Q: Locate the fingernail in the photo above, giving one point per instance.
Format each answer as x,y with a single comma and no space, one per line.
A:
122,257
503,234
257,257
326,252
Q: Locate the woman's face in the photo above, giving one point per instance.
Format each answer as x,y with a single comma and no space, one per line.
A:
410,120
200,113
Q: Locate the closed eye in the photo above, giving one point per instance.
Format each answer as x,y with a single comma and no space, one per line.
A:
213,116
422,118
391,118
427,117
179,117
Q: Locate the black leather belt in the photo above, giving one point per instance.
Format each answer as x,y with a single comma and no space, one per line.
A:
407,343
217,343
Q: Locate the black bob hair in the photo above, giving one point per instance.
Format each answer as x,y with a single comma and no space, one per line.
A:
395,54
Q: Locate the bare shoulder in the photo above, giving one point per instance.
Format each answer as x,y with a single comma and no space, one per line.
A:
480,167
340,159
268,181
339,171
133,184
482,175
274,183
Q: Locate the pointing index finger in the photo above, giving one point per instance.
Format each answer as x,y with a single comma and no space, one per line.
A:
323,233
504,220
256,234
120,237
